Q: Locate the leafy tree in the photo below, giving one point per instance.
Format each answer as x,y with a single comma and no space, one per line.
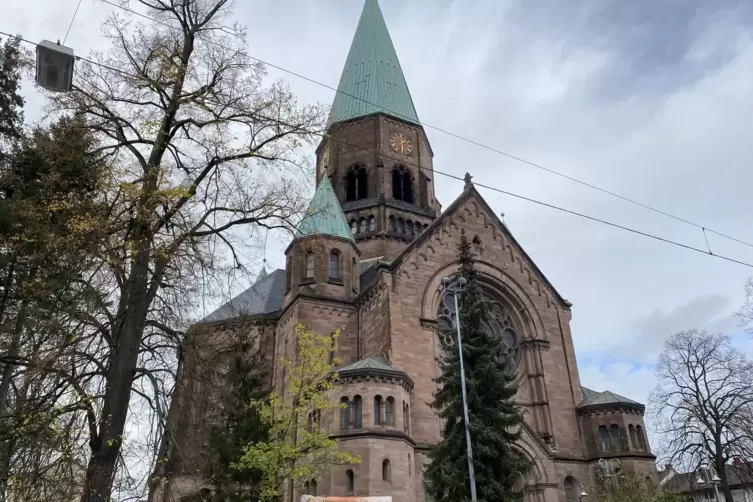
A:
299,447
494,419
204,151
47,194
13,60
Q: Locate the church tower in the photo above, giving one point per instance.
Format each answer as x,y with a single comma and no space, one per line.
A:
376,152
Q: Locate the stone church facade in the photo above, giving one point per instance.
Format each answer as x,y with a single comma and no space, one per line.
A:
369,259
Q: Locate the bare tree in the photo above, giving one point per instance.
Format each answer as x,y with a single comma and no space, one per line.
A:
703,403
201,146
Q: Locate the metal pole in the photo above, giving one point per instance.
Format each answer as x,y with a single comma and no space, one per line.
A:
471,472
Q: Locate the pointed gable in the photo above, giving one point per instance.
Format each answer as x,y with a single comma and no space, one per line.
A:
324,215
468,193
372,80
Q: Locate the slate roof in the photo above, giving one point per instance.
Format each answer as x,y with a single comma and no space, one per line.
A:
372,80
592,398
373,366
264,297
325,215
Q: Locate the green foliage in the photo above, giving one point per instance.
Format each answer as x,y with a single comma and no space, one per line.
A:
12,61
296,451
633,489
494,419
241,425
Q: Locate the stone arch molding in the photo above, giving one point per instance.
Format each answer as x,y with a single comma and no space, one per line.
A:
524,308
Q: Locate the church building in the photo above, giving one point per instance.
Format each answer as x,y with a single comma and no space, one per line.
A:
369,258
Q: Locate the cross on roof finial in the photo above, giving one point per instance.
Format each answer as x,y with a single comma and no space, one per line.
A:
468,182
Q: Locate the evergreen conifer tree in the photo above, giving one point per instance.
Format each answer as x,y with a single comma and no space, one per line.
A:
494,419
240,426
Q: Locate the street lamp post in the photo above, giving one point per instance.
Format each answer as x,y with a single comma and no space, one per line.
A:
456,287
708,476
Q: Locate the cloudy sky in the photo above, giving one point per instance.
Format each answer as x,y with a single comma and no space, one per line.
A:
652,100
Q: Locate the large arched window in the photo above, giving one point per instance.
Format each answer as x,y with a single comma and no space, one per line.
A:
377,410
402,184
357,412
389,412
497,320
334,265
356,184
571,489
350,482
641,438
614,433
386,471
604,437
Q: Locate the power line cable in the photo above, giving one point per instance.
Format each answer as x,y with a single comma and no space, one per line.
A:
468,140
455,177
71,24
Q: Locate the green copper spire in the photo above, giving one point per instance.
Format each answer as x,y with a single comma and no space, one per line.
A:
324,215
372,80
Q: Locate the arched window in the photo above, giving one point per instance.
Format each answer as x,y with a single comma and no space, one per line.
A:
353,227
357,412
633,437
641,438
334,265
615,437
288,273
372,224
401,226
386,471
389,412
571,489
344,413
350,482
356,184
392,224
477,246
604,436
308,270
402,184
377,410
406,425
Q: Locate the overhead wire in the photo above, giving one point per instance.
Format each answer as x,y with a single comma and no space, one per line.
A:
467,140
458,178
71,23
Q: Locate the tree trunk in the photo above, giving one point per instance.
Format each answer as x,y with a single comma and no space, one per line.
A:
13,349
100,471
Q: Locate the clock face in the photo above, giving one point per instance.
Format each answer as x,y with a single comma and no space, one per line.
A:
400,143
